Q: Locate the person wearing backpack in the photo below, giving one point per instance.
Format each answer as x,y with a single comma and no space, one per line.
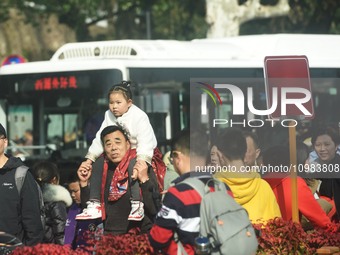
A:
179,224
56,200
20,213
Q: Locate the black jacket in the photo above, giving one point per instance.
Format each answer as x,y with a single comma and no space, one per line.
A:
21,219
56,199
330,187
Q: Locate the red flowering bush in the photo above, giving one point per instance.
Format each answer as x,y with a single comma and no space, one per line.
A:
282,237
47,249
131,243
287,237
324,237
276,237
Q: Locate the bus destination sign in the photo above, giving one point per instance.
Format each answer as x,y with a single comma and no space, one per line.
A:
55,83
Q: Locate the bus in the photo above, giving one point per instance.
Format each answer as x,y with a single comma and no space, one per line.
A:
62,100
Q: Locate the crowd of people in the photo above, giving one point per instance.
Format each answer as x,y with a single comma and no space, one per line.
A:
126,184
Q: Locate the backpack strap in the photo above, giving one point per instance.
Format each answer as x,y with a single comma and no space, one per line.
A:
20,174
180,247
202,188
196,184
218,185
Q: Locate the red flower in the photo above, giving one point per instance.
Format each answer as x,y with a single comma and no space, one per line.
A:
276,237
47,249
286,237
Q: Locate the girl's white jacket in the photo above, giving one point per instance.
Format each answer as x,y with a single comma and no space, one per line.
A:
141,134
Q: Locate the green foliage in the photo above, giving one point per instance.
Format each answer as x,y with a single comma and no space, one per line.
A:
182,20
173,19
170,19
306,16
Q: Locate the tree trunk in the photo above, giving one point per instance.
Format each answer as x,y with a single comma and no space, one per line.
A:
224,17
34,42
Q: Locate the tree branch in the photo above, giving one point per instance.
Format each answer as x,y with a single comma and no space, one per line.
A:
107,16
253,9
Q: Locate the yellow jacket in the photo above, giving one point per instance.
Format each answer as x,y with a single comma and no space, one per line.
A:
253,193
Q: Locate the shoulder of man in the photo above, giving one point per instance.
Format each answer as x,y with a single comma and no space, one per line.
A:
99,162
182,190
181,185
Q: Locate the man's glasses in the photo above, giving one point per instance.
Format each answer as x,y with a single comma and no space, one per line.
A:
174,154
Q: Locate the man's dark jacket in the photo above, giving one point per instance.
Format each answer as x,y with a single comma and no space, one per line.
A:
19,214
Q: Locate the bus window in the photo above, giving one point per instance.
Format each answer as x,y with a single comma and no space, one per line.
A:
54,123
166,90
20,119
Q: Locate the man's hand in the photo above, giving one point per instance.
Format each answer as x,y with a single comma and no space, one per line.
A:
84,172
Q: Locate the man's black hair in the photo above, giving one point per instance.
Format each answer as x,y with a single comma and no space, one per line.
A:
124,86
191,142
326,131
232,143
2,131
253,136
111,129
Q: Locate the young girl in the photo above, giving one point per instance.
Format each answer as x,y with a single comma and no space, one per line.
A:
124,113
56,199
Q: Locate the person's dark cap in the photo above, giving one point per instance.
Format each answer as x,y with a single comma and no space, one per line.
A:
2,131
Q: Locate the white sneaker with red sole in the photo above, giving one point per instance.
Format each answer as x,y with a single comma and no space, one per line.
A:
93,211
137,211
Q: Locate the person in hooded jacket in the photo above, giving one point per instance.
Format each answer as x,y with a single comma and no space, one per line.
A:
20,213
56,200
249,189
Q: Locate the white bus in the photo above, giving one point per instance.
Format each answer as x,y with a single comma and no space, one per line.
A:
63,100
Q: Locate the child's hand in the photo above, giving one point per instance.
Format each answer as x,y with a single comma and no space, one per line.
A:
84,172
140,171
134,175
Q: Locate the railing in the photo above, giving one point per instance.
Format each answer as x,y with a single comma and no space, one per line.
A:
24,151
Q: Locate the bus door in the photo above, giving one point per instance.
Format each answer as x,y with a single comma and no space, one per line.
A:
162,102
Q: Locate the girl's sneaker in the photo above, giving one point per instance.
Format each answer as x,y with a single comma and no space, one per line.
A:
93,211
137,211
